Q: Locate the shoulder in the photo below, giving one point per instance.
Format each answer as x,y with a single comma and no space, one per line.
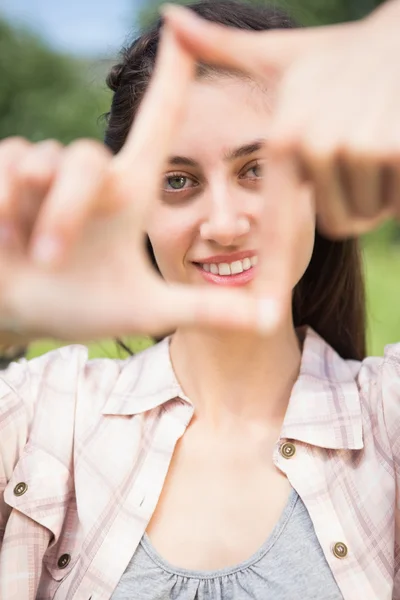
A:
378,382
22,373
382,372
367,390
381,377
63,370
25,382
68,378
47,389
51,399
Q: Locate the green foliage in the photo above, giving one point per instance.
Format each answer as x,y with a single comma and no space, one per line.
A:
307,12
315,12
149,12
44,94
382,267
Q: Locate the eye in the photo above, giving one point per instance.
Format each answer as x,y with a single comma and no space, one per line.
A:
176,182
254,171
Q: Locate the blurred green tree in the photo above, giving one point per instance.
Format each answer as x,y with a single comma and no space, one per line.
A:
307,12
44,94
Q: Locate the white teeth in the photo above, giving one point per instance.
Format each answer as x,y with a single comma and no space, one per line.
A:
213,269
246,264
224,269
236,267
233,268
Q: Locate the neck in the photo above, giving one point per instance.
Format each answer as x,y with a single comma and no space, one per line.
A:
232,377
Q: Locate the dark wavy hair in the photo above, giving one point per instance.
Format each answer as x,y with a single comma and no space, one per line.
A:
330,296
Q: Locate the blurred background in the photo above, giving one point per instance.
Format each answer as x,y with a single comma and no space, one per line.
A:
54,57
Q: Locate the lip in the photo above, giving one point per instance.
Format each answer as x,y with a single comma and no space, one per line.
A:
227,258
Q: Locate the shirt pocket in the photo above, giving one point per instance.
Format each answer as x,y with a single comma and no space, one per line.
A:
41,488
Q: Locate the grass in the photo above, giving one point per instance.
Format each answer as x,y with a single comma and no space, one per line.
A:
382,275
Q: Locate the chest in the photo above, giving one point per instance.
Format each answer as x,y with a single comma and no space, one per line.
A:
217,510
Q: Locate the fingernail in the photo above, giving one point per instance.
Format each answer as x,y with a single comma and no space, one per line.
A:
46,250
268,315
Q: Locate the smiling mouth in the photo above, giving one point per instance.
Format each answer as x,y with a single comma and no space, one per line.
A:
238,272
225,269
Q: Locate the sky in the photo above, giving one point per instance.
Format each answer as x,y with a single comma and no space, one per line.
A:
81,27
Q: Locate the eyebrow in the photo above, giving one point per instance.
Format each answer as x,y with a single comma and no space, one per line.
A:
233,154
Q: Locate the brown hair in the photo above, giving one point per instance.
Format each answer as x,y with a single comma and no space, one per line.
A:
330,295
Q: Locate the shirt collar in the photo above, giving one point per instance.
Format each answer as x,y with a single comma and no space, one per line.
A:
324,408
146,381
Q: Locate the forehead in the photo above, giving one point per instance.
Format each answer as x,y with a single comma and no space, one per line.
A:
221,113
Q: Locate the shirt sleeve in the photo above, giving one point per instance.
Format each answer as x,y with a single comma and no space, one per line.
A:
22,385
390,390
389,381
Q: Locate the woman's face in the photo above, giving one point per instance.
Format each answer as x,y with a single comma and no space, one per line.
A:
205,227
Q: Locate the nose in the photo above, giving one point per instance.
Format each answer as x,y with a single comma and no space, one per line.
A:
225,223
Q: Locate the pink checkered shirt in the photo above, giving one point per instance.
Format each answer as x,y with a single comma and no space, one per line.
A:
85,447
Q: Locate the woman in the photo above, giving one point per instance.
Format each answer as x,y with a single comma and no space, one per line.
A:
215,464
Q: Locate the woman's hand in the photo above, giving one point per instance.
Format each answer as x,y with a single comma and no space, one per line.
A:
72,222
337,115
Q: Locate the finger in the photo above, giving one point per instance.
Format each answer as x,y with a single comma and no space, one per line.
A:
193,306
138,167
170,306
156,309
336,218
70,201
390,178
360,174
38,166
12,152
284,198
35,175
360,226
331,196
257,53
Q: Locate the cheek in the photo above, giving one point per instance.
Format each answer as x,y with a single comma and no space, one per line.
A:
171,235
304,235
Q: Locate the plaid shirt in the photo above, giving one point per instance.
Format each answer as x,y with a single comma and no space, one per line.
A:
85,447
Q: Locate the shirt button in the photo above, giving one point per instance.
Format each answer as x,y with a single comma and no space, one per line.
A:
20,489
64,561
288,450
340,550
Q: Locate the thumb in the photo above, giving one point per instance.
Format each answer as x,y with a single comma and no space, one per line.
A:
255,52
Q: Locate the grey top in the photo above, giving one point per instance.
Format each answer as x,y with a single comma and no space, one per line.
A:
290,564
